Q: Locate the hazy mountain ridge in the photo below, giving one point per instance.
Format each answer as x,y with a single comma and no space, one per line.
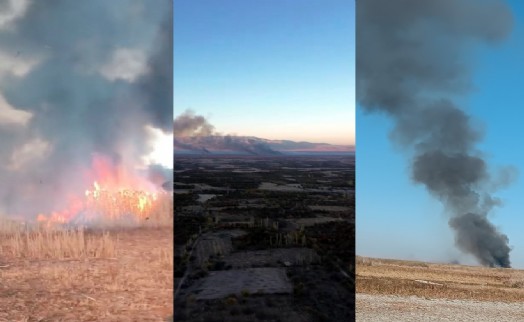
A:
250,145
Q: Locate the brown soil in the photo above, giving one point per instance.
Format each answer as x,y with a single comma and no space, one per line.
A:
429,280
134,285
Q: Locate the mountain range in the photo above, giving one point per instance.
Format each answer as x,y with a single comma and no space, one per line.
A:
250,145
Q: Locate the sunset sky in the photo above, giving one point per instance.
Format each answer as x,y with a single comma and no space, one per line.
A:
275,69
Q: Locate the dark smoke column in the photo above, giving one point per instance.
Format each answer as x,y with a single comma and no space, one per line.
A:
411,61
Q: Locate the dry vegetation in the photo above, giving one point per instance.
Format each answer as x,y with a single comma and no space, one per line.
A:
44,243
429,280
57,274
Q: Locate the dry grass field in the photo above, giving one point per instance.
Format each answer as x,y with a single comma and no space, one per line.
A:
116,274
432,281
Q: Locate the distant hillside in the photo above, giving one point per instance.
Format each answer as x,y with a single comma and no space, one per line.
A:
249,145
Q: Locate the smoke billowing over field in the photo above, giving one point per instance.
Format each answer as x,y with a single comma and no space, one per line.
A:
80,82
411,64
85,200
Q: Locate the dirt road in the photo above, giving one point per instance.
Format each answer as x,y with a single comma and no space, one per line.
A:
189,267
378,308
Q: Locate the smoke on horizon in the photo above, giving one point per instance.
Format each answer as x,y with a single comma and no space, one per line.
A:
411,62
194,132
188,124
77,79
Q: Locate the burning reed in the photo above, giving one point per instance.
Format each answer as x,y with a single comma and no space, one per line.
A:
57,238
105,208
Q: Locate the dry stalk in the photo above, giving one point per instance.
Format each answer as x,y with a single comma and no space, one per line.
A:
59,244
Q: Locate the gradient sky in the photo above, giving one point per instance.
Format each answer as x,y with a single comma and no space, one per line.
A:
397,219
276,69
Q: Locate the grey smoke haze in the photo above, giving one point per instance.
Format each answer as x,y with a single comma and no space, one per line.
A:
5,5
481,238
86,76
411,61
194,132
189,124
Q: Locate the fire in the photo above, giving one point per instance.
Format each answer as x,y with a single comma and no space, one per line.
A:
116,194
116,203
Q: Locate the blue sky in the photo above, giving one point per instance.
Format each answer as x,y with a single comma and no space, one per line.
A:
277,69
397,219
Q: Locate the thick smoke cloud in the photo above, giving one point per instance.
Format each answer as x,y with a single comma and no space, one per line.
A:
91,75
194,132
188,124
477,235
156,86
411,63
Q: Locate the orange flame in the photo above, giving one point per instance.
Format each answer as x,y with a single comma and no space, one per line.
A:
117,193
